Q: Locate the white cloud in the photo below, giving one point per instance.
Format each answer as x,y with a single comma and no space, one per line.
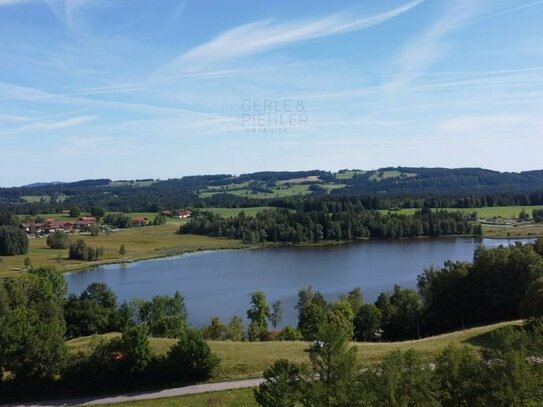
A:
419,54
265,35
59,124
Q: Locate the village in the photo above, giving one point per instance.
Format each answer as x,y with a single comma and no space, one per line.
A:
85,223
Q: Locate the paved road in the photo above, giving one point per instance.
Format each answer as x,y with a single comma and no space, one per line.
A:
178,391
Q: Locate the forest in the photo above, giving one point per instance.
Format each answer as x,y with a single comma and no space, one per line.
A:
285,226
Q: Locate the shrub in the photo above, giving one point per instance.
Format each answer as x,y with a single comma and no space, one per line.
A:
191,359
289,333
81,251
58,240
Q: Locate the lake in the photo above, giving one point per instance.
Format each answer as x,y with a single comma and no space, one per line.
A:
219,283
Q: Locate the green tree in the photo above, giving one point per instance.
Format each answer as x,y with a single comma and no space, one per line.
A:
276,314
289,333
13,241
215,330
354,298
312,309
537,215
98,212
281,386
58,240
404,379
136,349
32,328
94,311
458,374
531,305
523,215
27,262
445,295
236,330
166,316
191,359
75,212
335,365
341,316
367,323
258,315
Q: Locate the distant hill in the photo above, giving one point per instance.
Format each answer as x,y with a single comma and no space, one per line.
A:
282,188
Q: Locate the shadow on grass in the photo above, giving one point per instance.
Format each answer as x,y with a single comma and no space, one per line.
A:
489,340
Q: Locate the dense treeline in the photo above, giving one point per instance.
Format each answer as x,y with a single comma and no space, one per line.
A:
510,374
285,226
36,318
501,284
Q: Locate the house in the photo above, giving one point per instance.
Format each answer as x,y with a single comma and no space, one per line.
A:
49,226
167,213
183,214
140,221
84,222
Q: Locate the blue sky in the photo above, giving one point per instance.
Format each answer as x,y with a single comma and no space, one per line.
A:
129,89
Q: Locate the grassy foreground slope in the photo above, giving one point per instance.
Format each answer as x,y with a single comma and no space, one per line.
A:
253,357
226,398
241,360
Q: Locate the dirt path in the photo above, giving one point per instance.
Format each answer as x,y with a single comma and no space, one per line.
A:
177,391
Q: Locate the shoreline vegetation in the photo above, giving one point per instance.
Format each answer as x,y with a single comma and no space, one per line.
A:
154,242
91,342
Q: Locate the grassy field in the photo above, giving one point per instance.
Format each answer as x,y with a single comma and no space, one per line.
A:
230,212
141,243
513,231
241,360
506,212
248,359
227,398
348,174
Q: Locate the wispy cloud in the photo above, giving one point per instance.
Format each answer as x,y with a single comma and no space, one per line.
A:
265,35
419,54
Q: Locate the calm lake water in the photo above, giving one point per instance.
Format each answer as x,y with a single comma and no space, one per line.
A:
219,283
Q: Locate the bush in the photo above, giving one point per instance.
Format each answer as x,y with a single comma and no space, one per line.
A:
289,333
58,240
81,251
191,359
538,215
13,241
118,220
75,212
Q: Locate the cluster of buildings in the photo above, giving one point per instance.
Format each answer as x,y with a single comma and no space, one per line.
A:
84,222
54,225
181,213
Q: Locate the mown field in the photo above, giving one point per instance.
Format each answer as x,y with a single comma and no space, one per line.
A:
230,212
140,243
248,359
240,360
505,212
226,398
